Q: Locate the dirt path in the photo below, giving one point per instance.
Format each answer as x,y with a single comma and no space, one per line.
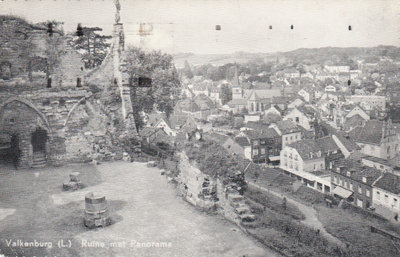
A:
311,219
153,213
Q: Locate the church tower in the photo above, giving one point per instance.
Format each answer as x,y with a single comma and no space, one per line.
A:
237,91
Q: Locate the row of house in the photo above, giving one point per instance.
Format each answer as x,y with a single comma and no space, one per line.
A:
368,188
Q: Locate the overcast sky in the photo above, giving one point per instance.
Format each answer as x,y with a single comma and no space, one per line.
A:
189,25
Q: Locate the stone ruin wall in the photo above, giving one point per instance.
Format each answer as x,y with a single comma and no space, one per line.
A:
79,126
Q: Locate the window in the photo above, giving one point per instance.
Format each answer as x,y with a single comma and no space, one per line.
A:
359,189
395,202
348,173
262,151
296,167
78,82
49,83
262,142
290,155
378,195
285,154
255,142
295,158
255,152
360,203
297,119
351,186
367,192
386,198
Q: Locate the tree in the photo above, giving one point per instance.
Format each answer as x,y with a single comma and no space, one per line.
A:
226,93
165,85
91,45
272,118
187,71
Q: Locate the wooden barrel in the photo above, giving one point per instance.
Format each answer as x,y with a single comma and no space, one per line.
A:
96,211
74,177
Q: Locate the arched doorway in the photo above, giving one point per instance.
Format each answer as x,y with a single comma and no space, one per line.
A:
38,140
10,152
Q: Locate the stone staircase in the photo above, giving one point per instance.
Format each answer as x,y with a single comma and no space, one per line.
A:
39,159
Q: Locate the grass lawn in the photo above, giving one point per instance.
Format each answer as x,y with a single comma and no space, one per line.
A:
274,203
354,229
281,232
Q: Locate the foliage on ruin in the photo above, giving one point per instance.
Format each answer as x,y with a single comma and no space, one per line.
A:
92,45
164,90
214,160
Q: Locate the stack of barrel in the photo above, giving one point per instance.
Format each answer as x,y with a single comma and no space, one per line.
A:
74,182
96,211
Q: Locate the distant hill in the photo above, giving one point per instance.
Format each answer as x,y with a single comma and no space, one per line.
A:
314,54
218,59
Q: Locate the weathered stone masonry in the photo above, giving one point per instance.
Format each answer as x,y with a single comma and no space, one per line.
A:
82,121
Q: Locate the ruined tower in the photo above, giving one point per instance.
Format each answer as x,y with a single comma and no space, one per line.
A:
120,77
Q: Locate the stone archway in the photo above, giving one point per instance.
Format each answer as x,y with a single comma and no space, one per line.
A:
31,131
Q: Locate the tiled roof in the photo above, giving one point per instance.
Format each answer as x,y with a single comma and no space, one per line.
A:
263,93
148,131
234,102
219,138
203,102
156,135
357,171
280,100
327,144
379,160
153,118
187,105
371,133
347,142
265,133
287,126
256,125
307,148
242,141
178,120
354,133
307,110
389,182
354,120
